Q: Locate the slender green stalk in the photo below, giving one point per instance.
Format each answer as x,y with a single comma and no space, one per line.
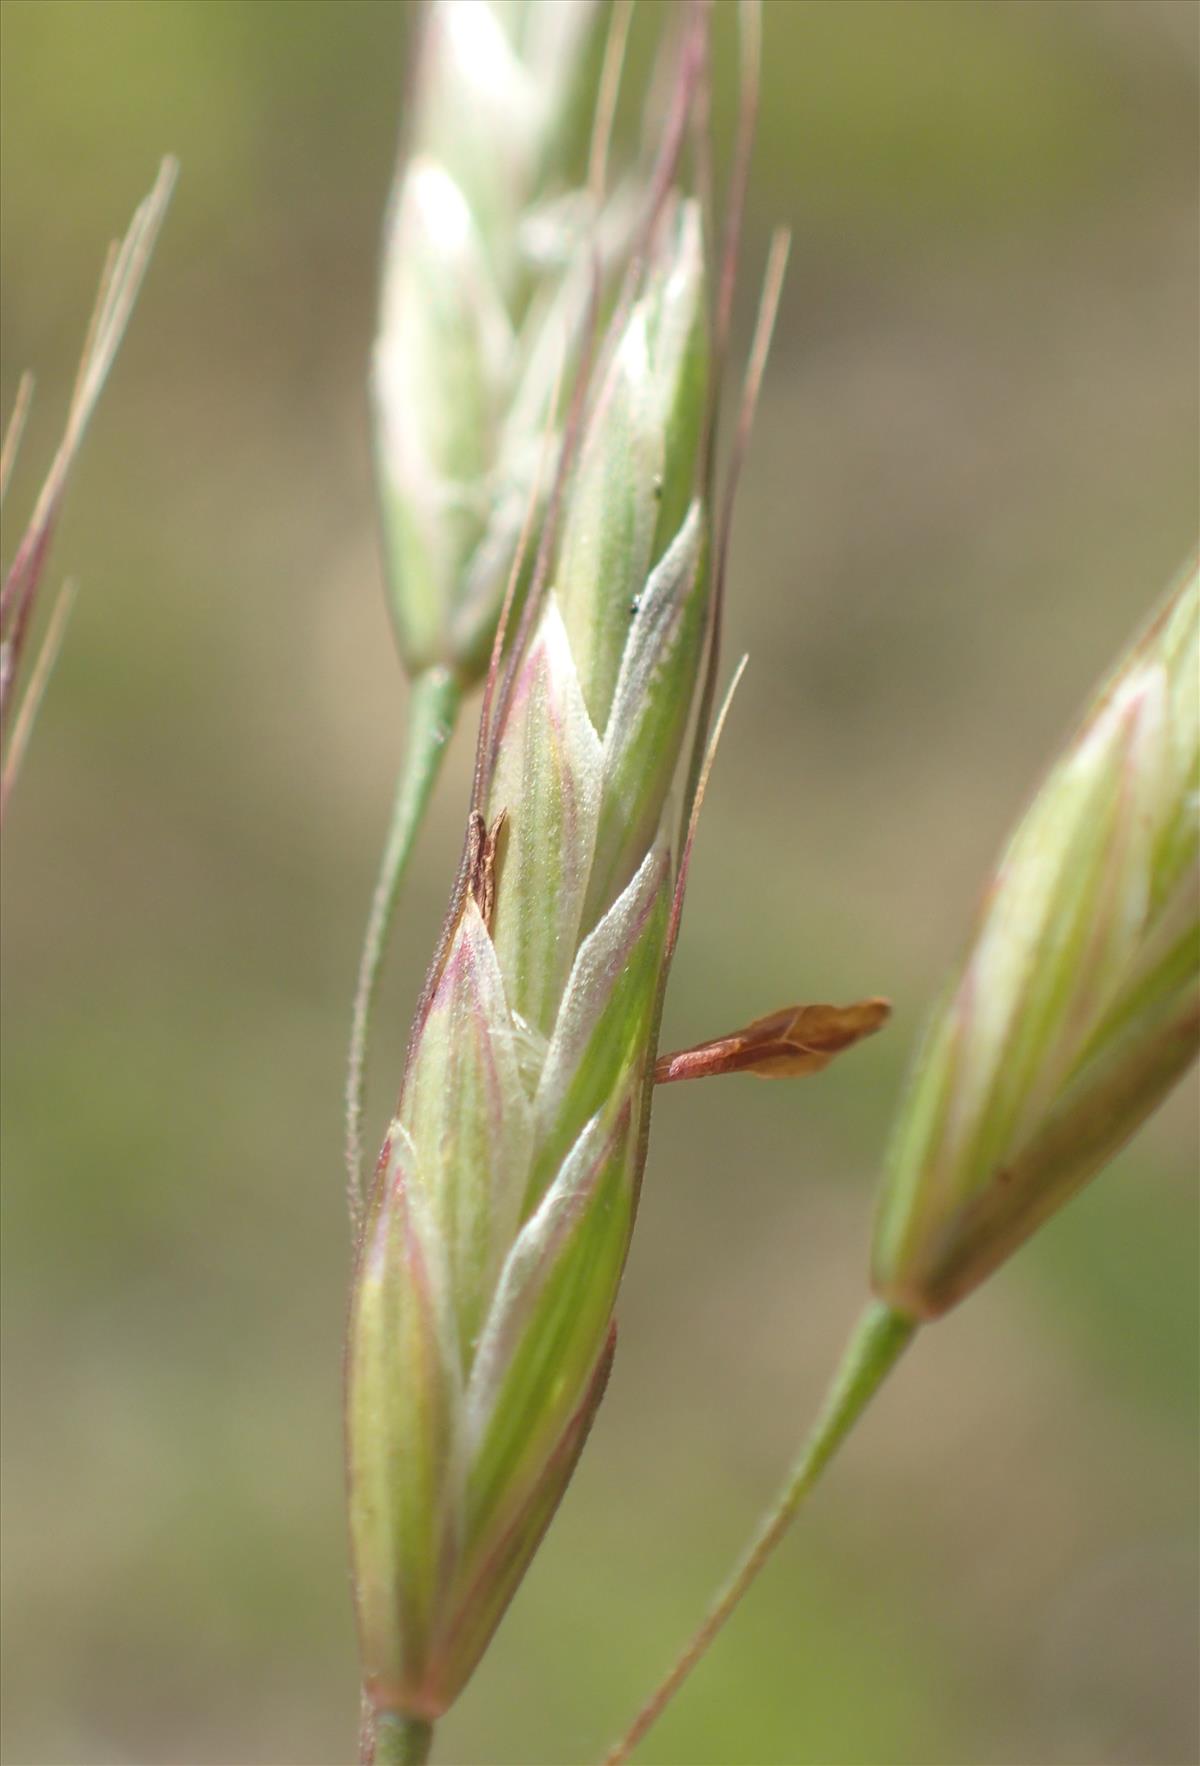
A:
875,1346
402,1741
433,708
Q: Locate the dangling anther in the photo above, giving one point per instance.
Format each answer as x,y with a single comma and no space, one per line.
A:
783,1045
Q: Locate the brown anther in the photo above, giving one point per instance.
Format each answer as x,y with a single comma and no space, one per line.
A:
482,846
783,1045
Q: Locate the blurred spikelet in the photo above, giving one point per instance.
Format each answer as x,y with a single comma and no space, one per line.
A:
1076,1009
23,682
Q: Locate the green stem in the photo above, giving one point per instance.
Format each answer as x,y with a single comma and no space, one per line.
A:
873,1350
401,1741
433,707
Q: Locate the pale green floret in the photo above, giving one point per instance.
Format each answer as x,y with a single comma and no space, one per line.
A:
548,1321
482,306
481,114
468,1122
440,383
603,1023
547,781
1076,1009
677,328
650,707
404,1493
504,106
609,530
637,466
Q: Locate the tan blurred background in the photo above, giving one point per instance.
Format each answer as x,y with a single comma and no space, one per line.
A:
975,468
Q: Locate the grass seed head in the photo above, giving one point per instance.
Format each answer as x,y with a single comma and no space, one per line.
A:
481,1323
1076,1009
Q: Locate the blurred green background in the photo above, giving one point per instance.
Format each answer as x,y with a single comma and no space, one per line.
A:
975,468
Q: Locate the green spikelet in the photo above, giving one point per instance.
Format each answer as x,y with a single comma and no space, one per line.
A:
1076,1009
481,1325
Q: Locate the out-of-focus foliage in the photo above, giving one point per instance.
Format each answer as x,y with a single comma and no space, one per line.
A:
975,468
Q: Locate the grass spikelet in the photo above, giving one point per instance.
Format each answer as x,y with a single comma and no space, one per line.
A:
1076,1009
507,1190
21,686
